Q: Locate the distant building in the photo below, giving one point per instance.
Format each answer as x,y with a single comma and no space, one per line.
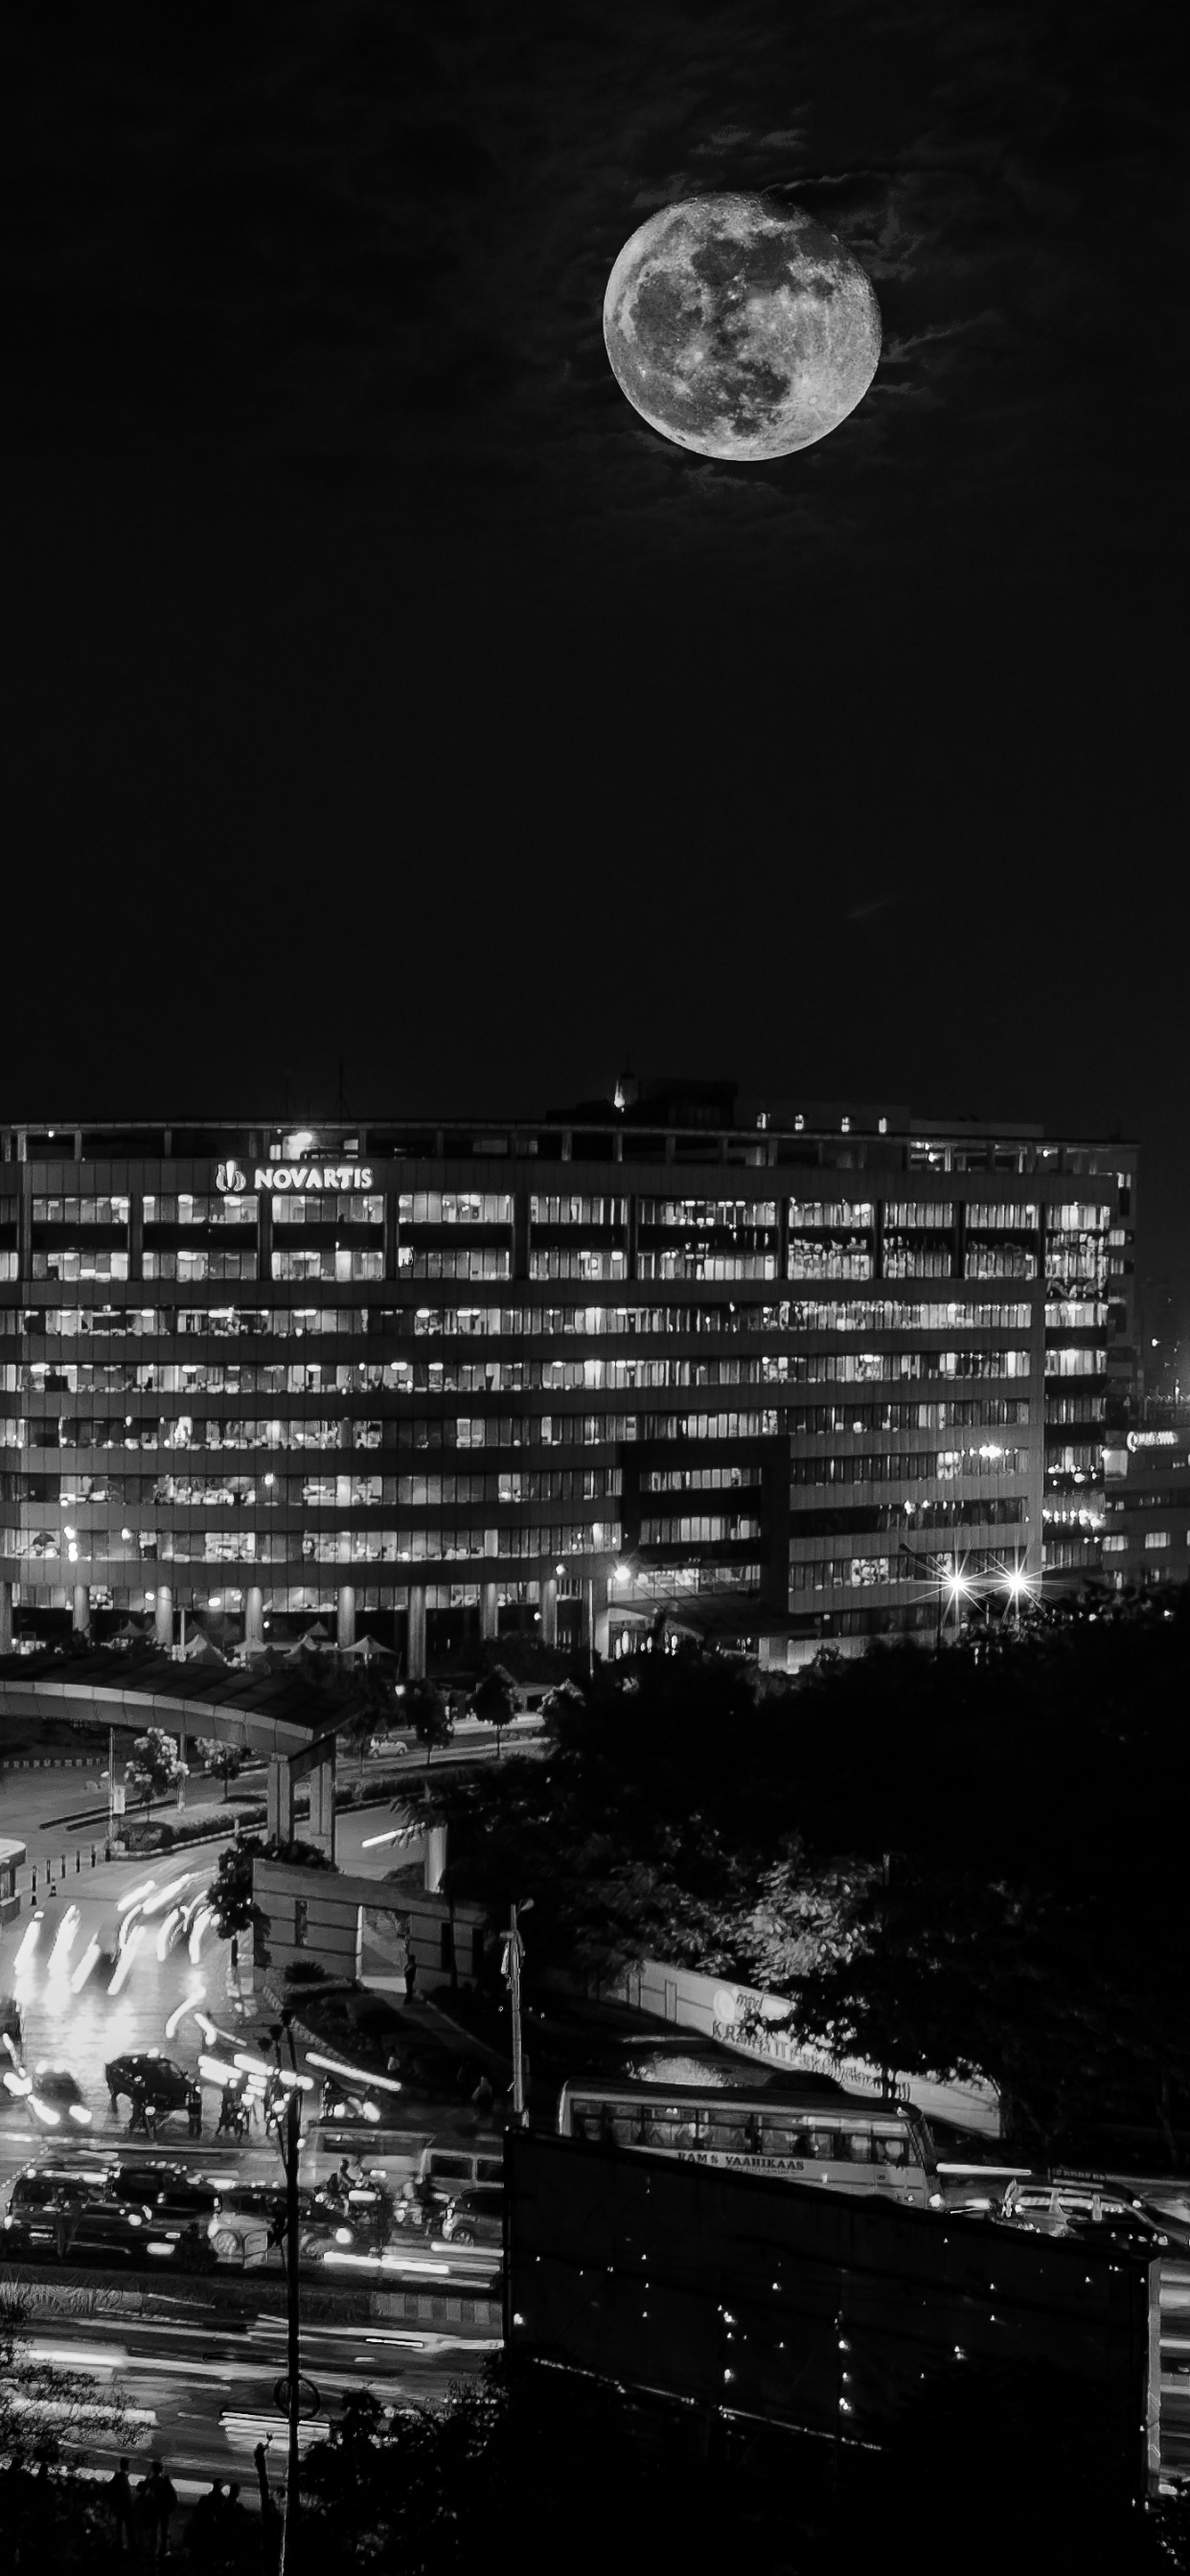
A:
791,1375
1146,1534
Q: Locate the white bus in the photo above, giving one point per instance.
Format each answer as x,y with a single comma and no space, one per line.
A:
803,2135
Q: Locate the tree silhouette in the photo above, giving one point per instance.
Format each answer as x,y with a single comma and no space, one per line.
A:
495,1700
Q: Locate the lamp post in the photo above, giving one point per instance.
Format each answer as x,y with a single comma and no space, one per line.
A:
514,1953
289,2147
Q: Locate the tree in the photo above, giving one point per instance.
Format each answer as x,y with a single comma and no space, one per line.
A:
224,1761
154,1769
424,1709
495,1700
230,1894
957,1862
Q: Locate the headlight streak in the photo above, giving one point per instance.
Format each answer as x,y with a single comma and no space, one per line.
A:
351,2075
86,1963
127,1955
135,1896
57,1963
180,2011
166,1895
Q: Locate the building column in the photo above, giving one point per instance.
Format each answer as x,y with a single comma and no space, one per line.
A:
415,1634
279,1798
163,1616
254,1616
548,1596
489,1612
5,1617
321,1783
80,1618
345,1616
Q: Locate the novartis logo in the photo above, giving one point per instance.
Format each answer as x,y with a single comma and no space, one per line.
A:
230,1179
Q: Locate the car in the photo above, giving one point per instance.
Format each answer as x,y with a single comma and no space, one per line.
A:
168,2190
248,2220
1096,2217
167,2086
475,2217
57,2097
49,2185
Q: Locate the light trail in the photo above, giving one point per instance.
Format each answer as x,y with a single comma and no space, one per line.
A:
57,1963
170,1924
353,2074
127,1955
166,1895
197,1929
135,1895
28,1944
86,1963
180,2011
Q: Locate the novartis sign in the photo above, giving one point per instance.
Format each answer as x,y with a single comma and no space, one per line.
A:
231,1179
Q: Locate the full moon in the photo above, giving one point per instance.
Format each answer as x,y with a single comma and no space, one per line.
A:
740,328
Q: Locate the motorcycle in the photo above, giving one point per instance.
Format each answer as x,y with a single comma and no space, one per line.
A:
418,2217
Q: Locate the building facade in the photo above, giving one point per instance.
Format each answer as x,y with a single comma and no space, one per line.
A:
838,1364
1146,1532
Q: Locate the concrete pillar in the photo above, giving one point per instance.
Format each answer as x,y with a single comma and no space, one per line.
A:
254,1616
5,1617
548,1630
415,1646
279,1799
434,1864
345,1616
163,1616
81,1610
489,1612
321,1785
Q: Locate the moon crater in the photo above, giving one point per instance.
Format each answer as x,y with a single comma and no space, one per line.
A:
739,327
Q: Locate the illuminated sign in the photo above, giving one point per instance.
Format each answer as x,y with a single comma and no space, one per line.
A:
231,1179
1153,1439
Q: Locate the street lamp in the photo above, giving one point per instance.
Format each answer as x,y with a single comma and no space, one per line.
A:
511,1964
288,2135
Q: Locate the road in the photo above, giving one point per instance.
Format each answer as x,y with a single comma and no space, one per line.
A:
201,2398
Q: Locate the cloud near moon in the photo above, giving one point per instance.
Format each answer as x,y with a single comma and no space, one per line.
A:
739,327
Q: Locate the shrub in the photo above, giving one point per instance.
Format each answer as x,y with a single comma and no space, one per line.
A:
304,1972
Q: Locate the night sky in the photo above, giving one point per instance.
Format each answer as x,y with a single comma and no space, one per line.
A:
377,684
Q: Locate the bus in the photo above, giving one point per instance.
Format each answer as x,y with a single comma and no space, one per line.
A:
811,2134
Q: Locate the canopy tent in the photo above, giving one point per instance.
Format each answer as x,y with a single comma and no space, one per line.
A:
368,1650
128,1635
198,1645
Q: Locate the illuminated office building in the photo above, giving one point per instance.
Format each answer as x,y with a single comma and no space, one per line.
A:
810,1369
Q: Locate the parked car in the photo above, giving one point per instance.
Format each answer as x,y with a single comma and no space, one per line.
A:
167,2086
475,2217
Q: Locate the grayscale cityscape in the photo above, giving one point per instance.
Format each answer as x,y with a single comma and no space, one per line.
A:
594,1292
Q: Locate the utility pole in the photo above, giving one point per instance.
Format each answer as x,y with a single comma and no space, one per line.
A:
514,1952
289,2143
